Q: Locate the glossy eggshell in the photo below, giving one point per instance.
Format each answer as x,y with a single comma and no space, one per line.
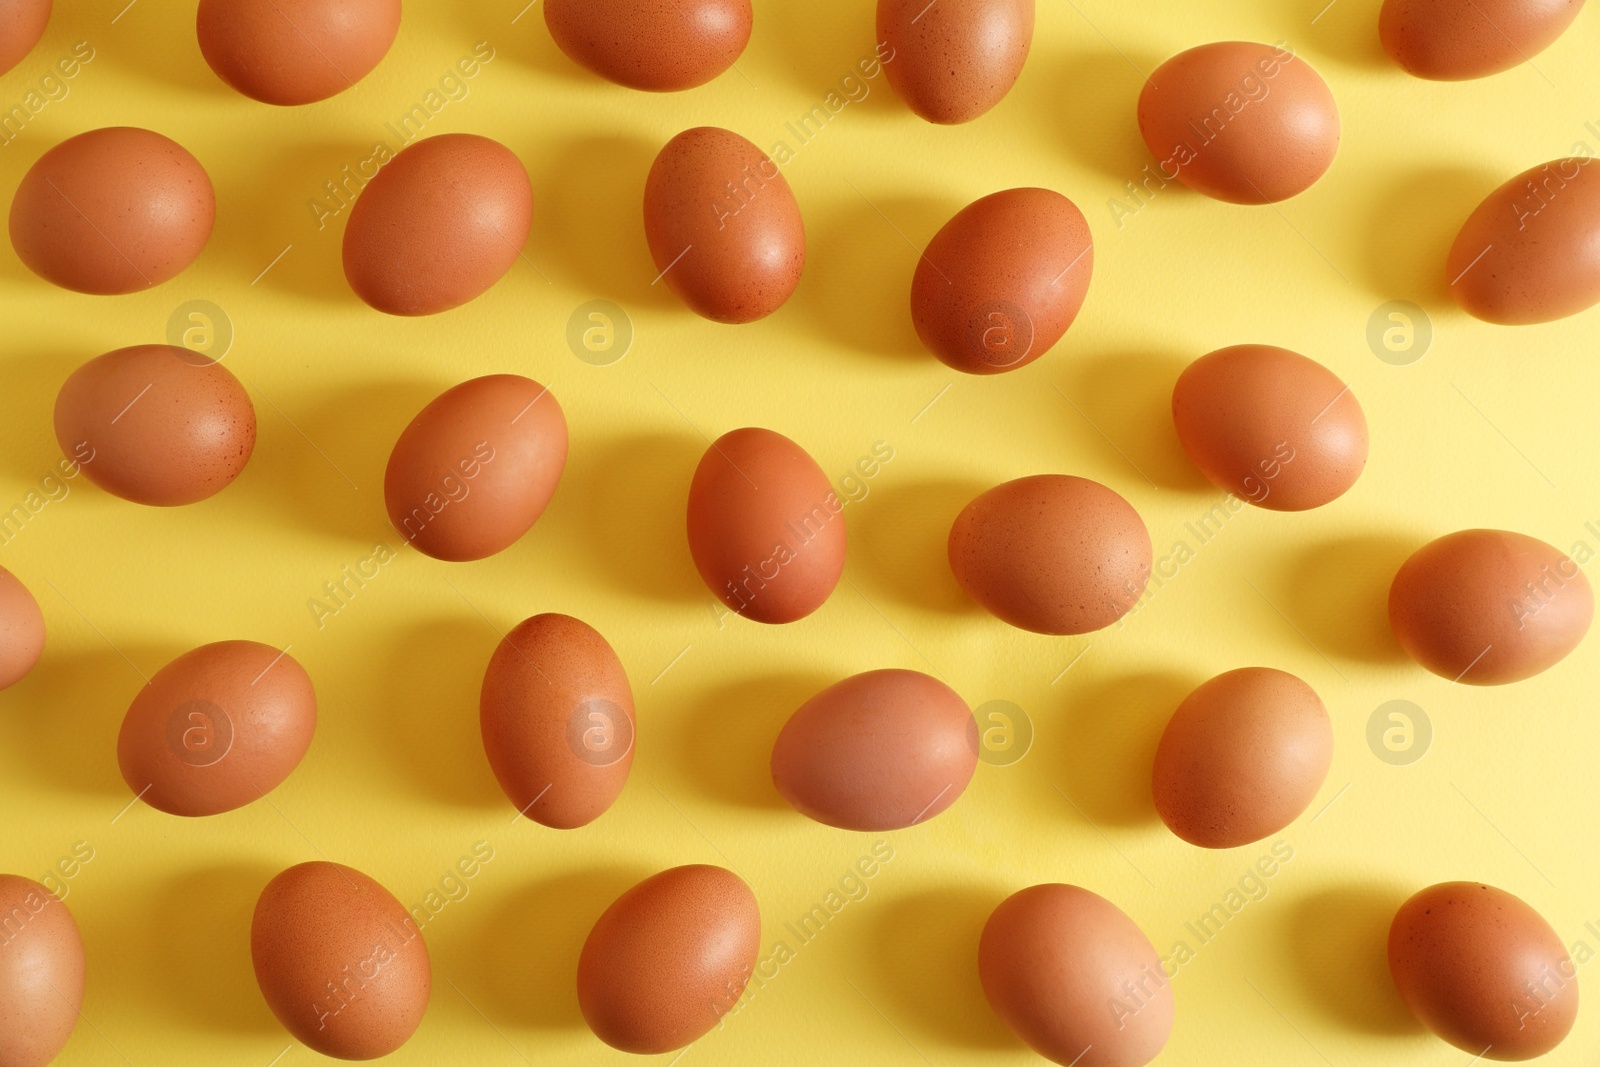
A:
41,973
1242,758
1530,253
441,223
1001,281
878,751
112,211
156,424
320,927
22,24
476,468
1055,960
1451,40
955,59
668,959
766,528
1483,971
723,226
1052,553
295,51
1487,607
1241,122
1270,426
558,722
658,45
21,631
218,727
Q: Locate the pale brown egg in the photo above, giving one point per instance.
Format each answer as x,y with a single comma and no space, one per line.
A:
112,211
1483,971
340,961
476,468
1001,281
21,630
955,59
658,45
443,221
878,751
1270,426
1487,607
218,727
1451,40
557,720
156,424
1241,122
1053,553
668,959
295,51
41,973
723,226
22,24
1075,978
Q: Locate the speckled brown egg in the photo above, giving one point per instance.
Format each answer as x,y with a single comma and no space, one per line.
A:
112,211
156,424
476,468
295,51
1052,553
1483,971
1242,758
21,630
1451,40
22,24
955,59
723,226
557,718
41,973
1245,123
443,221
668,959
1270,426
1001,281
658,45
339,961
879,751
1487,607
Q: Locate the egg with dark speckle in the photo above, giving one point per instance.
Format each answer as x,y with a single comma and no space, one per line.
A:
953,60
656,45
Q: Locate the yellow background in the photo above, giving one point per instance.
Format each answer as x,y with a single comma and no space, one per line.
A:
1494,427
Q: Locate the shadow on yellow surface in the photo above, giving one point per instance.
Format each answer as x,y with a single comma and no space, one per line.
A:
1339,940
1107,744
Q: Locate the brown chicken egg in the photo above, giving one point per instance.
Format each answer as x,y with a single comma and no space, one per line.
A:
156,424
1052,553
766,528
955,59
1487,607
112,211
443,221
218,727
723,226
1240,122
339,961
41,973
878,751
295,51
1271,426
476,468
22,24
557,721
1452,40
1075,978
668,959
1483,971
658,45
21,631
1001,281
1242,758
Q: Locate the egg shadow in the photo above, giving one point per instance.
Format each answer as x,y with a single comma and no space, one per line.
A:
27,405
726,737
1101,120
1410,233
1339,939
1338,594
531,45
902,533
1106,744
821,45
168,51
1122,401
1346,32
200,929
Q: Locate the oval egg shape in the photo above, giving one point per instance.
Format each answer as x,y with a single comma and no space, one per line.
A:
290,52
952,61
1052,553
656,45
21,630
1452,40
723,226
1001,281
22,25
669,958
442,221
1057,961
1483,971
1487,607
41,973
112,211
1270,426
156,424
339,961
1240,122
476,468
878,751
